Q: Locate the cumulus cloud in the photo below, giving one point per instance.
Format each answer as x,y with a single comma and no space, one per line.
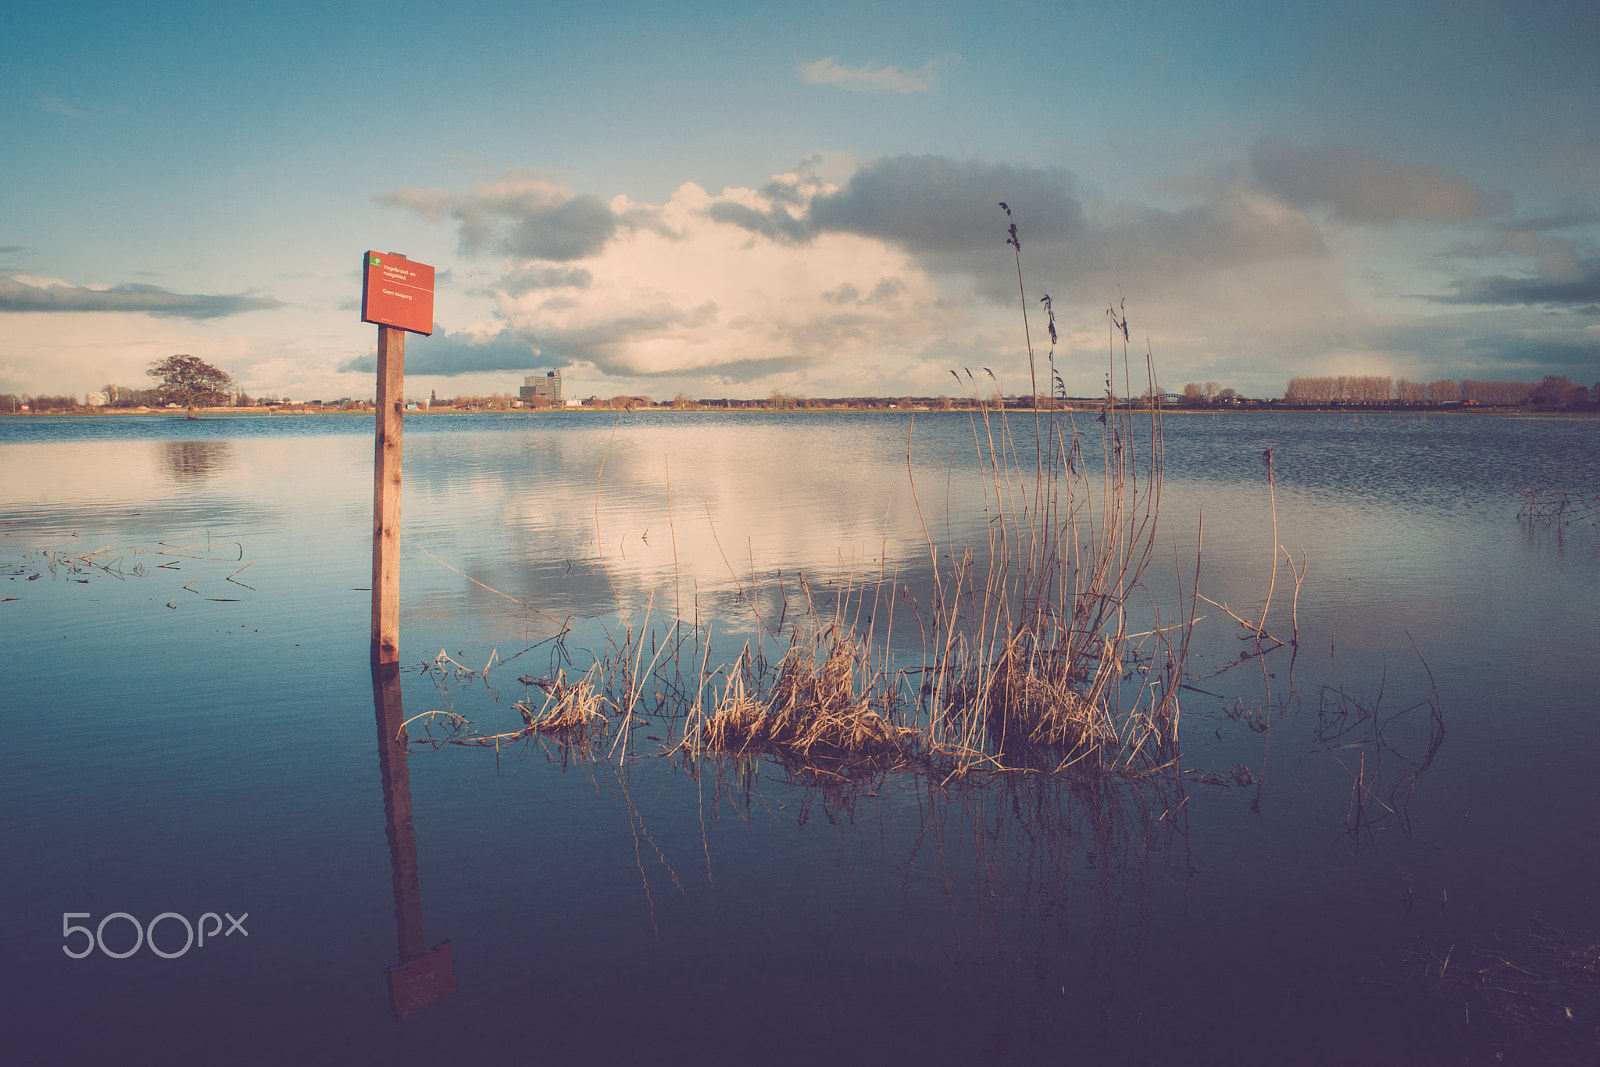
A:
1360,186
450,354
774,222
804,280
932,205
1228,229
870,79
524,214
735,285
945,212
17,294
538,276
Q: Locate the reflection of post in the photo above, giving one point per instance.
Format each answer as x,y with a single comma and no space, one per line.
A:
386,496
421,977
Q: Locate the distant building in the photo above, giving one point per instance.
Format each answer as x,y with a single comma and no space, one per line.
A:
547,386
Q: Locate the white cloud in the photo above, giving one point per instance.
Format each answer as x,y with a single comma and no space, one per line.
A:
870,79
51,295
706,296
525,213
865,277
871,285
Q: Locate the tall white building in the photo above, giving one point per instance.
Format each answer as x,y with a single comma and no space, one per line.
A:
547,385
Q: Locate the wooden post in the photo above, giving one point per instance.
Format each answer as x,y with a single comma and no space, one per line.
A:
423,976
389,706
386,496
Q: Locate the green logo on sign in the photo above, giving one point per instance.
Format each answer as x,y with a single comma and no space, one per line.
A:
372,261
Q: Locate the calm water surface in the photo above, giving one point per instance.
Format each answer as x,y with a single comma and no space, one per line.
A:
191,727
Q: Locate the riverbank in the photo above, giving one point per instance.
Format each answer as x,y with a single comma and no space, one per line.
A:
1590,413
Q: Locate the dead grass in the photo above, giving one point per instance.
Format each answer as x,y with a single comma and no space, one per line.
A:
821,703
571,711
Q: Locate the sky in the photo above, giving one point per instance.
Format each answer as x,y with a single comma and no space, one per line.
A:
727,199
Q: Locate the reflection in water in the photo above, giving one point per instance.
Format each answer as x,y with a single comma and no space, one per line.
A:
1559,507
193,461
1041,884
422,977
1352,729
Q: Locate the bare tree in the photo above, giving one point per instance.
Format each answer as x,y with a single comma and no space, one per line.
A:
1409,392
1557,390
1497,392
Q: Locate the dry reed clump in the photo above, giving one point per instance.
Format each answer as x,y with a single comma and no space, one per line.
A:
821,704
1042,704
571,711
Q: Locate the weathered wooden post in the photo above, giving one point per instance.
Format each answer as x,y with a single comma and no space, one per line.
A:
397,295
386,496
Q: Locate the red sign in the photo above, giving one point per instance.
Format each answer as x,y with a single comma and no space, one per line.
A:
396,291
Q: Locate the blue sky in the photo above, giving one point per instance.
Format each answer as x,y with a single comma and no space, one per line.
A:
727,200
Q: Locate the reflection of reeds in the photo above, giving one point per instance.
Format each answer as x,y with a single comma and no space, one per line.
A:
1345,723
1020,859
1258,628
1559,507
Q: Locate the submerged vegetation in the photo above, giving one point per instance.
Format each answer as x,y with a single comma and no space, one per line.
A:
1559,507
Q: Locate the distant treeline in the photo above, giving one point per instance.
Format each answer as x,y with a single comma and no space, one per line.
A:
10,403
1351,390
111,396
1382,390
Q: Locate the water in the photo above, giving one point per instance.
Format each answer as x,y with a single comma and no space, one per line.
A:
188,736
